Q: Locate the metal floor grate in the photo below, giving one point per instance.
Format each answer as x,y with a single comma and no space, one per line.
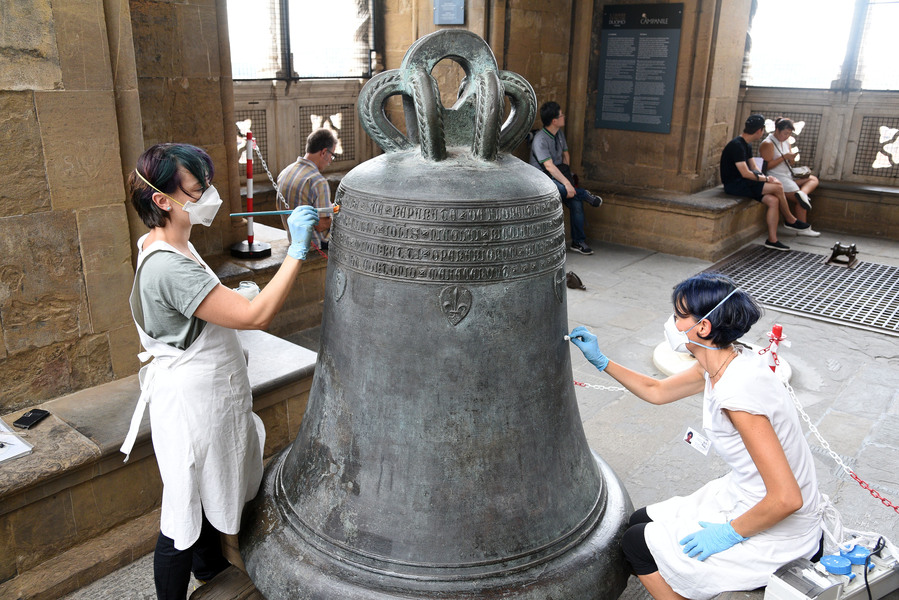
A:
865,296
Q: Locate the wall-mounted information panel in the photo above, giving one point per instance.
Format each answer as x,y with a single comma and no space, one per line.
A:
639,44
449,12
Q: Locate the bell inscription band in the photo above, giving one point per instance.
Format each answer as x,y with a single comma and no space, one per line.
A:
442,454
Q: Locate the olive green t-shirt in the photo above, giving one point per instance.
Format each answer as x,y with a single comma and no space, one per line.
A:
168,289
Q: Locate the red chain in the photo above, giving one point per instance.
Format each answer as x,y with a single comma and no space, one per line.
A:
319,249
873,492
772,338
860,481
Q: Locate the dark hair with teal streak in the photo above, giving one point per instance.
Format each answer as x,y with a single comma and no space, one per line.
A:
159,165
696,296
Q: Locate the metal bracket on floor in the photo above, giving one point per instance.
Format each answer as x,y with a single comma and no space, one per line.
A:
843,256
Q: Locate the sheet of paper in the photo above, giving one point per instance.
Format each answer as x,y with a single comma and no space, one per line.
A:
13,446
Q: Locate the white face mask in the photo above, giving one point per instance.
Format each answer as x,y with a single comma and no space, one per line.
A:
678,340
203,211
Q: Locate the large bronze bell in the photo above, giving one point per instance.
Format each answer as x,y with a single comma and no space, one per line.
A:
442,454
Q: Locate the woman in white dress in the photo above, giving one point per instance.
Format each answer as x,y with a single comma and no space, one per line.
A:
735,531
779,158
207,440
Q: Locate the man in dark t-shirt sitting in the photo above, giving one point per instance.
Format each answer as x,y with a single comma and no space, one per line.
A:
741,178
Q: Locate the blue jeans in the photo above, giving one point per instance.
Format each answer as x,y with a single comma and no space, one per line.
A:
576,211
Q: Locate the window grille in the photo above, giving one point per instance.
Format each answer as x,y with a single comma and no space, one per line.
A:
878,148
806,139
252,120
339,118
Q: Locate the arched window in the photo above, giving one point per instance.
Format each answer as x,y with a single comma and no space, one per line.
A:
297,39
877,53
825,44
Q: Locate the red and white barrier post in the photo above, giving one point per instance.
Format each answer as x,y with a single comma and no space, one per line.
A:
250,248
250,143
775,337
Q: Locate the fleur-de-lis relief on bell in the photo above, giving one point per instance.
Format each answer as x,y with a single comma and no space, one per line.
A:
456,302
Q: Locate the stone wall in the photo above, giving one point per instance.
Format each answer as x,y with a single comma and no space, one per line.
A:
183,68
80,98
65,258
710,59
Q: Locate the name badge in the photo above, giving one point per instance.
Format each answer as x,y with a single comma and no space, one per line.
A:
697,441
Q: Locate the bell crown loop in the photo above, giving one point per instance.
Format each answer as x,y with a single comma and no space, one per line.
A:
475,118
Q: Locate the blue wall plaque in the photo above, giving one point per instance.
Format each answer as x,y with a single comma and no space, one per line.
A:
449,12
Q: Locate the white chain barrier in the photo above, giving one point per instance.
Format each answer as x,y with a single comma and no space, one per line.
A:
281,201
605,388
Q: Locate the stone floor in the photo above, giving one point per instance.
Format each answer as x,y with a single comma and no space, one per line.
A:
847,380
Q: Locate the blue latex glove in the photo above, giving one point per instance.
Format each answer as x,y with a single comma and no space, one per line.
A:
586,341
300,223
712,538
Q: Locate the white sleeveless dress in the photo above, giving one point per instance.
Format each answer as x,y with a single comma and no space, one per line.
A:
781,171
747,385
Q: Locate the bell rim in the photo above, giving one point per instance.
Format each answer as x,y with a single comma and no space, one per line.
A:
318,573
462,571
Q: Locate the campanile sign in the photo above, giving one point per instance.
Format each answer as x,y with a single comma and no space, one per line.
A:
637,66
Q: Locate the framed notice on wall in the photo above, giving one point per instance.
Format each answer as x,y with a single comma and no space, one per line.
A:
638,51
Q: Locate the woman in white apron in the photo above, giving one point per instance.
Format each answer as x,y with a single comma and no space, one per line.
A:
735,531
779,157
207,440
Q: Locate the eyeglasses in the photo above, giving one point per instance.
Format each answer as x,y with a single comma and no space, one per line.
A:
330,153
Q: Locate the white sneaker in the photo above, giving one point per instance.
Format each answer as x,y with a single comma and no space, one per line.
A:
808,231
804,201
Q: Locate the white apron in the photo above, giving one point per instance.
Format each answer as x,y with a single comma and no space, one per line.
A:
207,440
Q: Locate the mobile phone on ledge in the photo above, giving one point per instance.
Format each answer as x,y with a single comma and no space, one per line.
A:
29,419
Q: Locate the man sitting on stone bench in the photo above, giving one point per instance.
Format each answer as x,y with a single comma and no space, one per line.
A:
549,153
740,178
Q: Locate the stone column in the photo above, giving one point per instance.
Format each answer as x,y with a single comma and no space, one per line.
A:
127,101
581,30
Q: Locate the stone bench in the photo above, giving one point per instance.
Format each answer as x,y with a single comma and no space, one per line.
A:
709,225
854,208
719,224
72,511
